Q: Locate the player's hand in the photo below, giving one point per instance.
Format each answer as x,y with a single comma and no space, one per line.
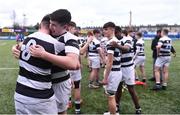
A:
174,54
114,44
104,82
16,51
89,39
37,51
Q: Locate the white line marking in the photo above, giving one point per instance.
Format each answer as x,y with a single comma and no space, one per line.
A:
3,44
8,68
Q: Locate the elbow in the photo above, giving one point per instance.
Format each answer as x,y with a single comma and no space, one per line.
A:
75,66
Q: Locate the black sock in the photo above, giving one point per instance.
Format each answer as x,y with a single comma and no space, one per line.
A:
77,106
70,98
90,82
117,107
158,84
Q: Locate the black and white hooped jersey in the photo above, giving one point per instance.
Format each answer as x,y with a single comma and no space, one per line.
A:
127,56
34,79
166,45
93,48
116,66
71,45
140,47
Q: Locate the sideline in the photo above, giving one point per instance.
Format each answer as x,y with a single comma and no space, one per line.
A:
9,68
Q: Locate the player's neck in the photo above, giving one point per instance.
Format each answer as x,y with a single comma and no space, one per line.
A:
44,31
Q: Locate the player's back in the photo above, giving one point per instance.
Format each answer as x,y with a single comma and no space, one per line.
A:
127,56
166,45
34,79
93,48
140,47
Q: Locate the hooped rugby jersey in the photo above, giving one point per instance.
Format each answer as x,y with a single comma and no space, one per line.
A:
34,79
71,45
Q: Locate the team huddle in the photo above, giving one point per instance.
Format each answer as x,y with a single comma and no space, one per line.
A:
50,65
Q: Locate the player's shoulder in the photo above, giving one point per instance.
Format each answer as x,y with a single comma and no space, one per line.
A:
69,36
113,39
104,39
43,37
164,38
96,41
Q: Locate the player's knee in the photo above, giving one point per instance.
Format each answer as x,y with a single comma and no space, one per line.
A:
110,93
156,69
77,84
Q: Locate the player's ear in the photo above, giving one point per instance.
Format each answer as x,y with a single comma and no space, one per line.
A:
65,26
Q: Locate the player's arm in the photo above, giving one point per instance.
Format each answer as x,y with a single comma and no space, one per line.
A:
100,51
121,47
153,44
173,51
70,61
108,68
85,47
16,50
137,51
158,49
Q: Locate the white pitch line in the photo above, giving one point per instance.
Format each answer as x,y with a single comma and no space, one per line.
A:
2,44
8,68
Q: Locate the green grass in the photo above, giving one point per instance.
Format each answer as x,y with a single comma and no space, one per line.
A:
94,101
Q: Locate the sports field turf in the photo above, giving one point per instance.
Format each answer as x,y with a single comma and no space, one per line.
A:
94,100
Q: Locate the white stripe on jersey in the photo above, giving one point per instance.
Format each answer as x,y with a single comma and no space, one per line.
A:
116,66
71,49
34,84
34,69
127,63
131,54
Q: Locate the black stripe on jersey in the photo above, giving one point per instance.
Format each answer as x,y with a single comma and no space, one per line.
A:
35,93
115,69
165,46
37,77
127,41
166,41
164,52
116,54
126,52
141,54
73,43
165,55
127,65
126,59
61,39
97,45
61,79
116,62
93,51
56,69
62,53
109,47
38,62
140,45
